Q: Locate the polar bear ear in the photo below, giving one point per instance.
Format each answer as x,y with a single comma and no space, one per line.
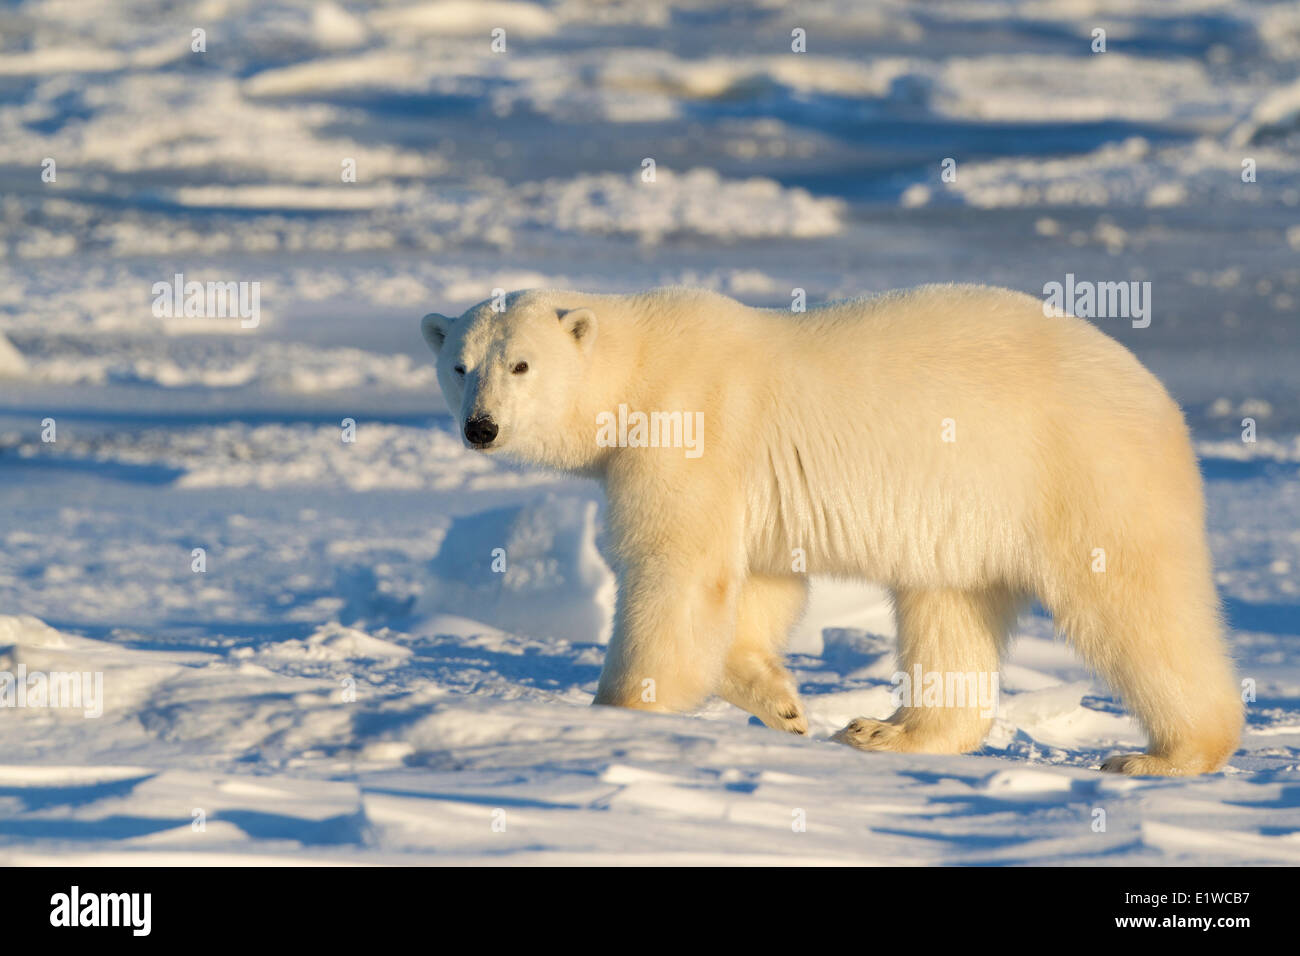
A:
581,325
434,328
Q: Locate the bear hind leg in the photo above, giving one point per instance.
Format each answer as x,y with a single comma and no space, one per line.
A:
1164,655
955,638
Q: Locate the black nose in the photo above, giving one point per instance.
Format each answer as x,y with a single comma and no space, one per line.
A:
480,431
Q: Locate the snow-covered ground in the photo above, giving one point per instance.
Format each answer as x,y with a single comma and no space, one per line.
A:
348,680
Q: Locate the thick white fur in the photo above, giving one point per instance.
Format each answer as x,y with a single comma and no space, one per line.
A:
824,432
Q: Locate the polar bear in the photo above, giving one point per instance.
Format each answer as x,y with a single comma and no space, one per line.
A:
954,443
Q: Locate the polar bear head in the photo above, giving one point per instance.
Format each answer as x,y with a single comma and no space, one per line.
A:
509,369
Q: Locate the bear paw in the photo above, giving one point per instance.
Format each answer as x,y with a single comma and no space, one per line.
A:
1142,765
787,716
867,734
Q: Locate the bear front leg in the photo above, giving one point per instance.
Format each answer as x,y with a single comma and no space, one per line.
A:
756,678
675,528
672,629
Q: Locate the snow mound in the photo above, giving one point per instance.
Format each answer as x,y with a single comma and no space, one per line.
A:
334,642
698,202
277,456
1276,116
529,569
26,630
1026,781
1130,173
462,18
12,363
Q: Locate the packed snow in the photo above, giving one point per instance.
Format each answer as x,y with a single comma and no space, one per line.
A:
297,641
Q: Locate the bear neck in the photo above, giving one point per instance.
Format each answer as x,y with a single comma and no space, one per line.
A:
626,366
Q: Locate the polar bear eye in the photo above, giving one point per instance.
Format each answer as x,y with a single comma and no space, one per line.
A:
459,370
520,368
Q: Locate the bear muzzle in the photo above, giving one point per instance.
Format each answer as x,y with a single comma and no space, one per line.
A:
480,431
